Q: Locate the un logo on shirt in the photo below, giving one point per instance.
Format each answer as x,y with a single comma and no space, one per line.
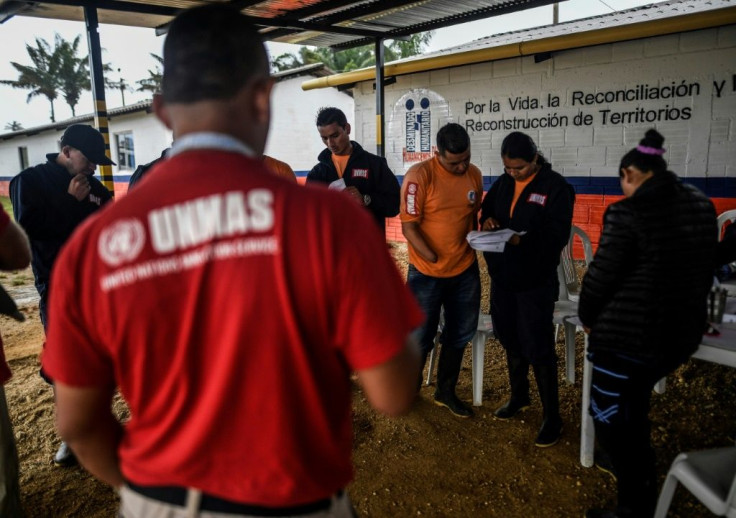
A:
121,242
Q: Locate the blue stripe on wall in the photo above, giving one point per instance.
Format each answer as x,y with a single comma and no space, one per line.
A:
712,187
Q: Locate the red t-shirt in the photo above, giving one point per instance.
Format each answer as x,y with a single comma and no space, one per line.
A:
5,373
229,306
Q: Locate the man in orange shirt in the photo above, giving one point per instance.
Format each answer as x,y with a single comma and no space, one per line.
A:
439,202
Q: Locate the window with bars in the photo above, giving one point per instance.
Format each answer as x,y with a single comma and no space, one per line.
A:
126,150
23,157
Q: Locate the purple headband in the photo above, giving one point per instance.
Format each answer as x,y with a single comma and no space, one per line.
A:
650,150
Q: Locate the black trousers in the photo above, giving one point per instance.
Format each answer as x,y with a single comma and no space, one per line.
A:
522,322
619,404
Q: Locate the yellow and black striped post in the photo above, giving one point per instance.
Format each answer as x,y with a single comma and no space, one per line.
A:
98,91
380,139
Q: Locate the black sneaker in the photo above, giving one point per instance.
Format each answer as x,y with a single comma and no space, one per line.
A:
451,401
511,408
64,456
549,433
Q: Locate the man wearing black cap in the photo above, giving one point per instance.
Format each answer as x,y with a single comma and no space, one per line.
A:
50,200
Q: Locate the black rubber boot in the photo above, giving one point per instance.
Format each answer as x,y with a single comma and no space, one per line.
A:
448,371
519,382
547,383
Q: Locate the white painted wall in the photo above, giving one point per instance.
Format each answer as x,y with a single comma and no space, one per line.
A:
293,137
704,145
150,138
38,146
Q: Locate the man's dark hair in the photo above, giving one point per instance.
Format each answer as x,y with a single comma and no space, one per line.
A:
330,115
453,138
210,52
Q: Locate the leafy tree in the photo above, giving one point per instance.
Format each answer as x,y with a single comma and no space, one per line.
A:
14,126
42,78
55,71
352,59
73,71
153,82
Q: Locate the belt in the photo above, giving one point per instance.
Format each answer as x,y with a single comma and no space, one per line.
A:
175,495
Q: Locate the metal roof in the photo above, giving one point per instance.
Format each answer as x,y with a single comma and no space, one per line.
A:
323,23
658,19
646,13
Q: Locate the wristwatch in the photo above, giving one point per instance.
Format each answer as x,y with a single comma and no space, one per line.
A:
366,199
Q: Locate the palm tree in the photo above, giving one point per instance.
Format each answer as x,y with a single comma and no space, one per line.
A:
153,82
14,126
352,59
42,78
73,71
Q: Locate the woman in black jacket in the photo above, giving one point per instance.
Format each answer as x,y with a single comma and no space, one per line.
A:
532,198
643,303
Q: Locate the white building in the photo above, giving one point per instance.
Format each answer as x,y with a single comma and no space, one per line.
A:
585,91
137,137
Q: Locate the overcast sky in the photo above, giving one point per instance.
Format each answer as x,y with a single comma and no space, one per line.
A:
129,48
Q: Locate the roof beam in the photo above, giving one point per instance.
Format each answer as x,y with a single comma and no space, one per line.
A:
115,5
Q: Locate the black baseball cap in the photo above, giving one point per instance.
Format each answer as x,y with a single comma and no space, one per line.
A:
87,140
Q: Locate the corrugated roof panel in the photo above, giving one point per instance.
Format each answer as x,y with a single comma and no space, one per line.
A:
307,22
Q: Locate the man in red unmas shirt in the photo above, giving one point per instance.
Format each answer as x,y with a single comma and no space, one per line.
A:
229,306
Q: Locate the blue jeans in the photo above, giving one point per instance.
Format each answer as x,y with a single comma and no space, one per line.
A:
460,297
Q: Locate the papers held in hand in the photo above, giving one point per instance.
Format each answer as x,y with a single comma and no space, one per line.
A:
338,185
491,241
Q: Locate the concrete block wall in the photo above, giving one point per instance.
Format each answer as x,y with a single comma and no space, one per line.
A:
293,136
585,108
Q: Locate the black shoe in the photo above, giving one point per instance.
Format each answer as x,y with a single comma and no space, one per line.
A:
511,408
451,401
65,456
549,433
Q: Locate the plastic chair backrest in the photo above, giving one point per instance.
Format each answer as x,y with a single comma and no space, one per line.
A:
731,499
725,217
566,271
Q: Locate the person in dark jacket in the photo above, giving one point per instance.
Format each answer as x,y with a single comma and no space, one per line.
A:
367,177
643,301
142,170
530,198
50,200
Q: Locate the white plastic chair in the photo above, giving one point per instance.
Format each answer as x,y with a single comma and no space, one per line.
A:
478,350
728,216
710,475
566,306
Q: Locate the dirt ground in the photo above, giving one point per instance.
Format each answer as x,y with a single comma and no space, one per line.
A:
428,463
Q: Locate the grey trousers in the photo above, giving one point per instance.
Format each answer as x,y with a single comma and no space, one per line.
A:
135,505
9,489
